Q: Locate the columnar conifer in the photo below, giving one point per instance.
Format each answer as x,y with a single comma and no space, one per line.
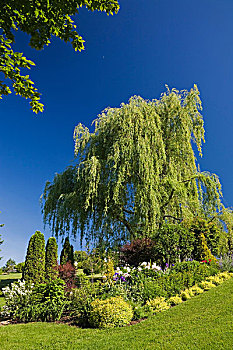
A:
34,270
67,253
51,258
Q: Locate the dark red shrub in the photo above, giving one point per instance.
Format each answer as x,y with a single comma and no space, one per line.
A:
68,274
138,251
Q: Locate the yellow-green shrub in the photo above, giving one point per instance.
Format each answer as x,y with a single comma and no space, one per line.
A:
195,290
225,275
185,295
157,305
112,312
215,280
175,300
206,285
109,270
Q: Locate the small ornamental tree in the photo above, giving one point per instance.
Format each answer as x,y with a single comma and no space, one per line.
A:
137,251
51,259
67,253
68,274
34,270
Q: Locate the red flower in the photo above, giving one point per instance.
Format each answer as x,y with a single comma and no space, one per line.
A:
209,259
205,260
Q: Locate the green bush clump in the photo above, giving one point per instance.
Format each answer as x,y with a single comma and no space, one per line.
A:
140,311
43,302
112,312
81,299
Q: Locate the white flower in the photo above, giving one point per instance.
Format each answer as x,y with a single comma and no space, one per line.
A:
139,268
155,267
144,263
126,275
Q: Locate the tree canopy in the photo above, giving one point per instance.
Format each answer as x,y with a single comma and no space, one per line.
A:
40,20
135,171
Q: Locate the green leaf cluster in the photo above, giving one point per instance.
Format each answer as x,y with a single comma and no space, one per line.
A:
41,20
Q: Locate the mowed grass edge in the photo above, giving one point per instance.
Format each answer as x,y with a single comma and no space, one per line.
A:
204,322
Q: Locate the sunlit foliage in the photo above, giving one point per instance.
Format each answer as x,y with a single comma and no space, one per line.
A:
136,170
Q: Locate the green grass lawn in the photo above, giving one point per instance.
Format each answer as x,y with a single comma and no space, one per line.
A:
6,280
203,323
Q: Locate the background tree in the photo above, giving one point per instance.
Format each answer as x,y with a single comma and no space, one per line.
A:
137,170
41,20
67,253
1,241
19,267
9,266
34,269
51,258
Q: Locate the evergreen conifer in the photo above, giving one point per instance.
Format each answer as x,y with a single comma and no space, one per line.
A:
34,270
51,258
67,253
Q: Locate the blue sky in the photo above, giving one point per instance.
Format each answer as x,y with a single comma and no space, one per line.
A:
146,45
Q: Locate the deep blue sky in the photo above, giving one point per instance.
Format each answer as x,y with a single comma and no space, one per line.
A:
147,45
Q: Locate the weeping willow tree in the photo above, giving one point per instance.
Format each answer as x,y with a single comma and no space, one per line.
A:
137,169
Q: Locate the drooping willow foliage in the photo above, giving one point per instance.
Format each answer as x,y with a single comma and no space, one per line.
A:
135,171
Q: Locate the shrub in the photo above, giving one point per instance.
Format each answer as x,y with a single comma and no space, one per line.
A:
109,270
206,285
140,311
157,305
215,280
137,251
81,298
208,239
195,290
185,295
173,243
225,275
226,263
68,274
17,297
175,300
48,302
43,302
112,312
51,271
34,269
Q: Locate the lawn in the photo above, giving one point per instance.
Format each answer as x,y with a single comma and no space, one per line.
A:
204,322
5,280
